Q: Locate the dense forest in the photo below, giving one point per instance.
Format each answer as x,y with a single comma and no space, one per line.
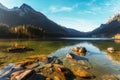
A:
24,31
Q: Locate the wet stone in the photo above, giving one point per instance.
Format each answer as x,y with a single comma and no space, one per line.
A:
36,76
110,49
18,48
22,75
54,60
52,69
34,65
56,78
82,73
8,70
83,64
81,51
65,73
47,69
43,58
75,57
13,75
48,79
26,63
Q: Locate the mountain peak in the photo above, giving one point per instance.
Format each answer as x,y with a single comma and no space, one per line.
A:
3,7
116,17
26,7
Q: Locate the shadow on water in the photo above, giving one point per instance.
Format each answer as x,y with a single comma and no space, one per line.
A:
78,57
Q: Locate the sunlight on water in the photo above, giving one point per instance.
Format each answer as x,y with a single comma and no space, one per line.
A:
60,48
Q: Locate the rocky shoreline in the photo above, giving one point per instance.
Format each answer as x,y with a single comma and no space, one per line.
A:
41,67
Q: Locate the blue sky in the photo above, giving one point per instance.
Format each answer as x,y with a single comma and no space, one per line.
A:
82,15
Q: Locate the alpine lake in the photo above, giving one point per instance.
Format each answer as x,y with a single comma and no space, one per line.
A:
102,62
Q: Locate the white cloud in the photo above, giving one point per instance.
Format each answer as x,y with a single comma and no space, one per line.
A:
107,7
63,8
101,11
60,9
78,24
87,12
66,9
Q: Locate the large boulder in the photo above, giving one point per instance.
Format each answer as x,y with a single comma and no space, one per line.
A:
75,57
22,75
15,74
65,73
56,78
110,50
37,58
20,48
81,64
54,60
79,51
82,73
8,70
25,63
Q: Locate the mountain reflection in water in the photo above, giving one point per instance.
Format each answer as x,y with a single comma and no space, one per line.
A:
93,48
103,62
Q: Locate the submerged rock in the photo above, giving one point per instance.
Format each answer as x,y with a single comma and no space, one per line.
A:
48,68
15,74
34,65
81,64
109,77
75,57
7,68
82,73
25,63
19,48
48,79
69,56
38,58
51,70
8,71
64,72
54,60
56,78
22,75
60,70
110,50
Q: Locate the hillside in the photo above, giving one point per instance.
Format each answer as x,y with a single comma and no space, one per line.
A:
26,15
111,28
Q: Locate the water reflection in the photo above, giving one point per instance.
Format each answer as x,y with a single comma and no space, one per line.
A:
93,48
117,41
40,47
114,57
102,62
60,48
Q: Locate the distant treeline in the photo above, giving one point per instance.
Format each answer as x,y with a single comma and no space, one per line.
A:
25,31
